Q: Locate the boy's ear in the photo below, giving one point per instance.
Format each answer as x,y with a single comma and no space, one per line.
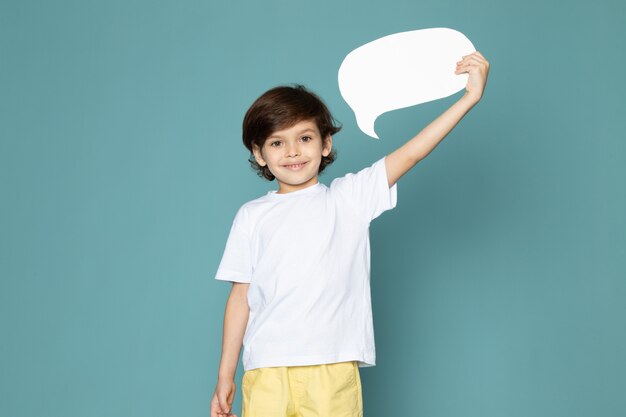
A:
328,145
258,155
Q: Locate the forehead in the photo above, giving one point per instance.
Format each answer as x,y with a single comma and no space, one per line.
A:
303,126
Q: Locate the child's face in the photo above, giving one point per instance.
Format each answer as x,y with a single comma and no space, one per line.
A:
293,155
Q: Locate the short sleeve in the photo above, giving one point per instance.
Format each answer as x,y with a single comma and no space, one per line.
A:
236,265
368,190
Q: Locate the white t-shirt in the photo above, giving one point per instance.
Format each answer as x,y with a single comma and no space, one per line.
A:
306,255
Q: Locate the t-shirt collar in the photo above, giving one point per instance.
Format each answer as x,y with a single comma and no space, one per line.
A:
304,191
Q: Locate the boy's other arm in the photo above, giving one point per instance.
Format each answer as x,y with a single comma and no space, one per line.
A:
235,322
400,161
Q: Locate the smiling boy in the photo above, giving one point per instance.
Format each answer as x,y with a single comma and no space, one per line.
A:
293,155
299,258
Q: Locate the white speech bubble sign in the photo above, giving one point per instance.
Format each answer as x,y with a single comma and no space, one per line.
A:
402,70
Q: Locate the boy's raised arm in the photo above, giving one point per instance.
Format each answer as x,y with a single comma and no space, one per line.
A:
400,161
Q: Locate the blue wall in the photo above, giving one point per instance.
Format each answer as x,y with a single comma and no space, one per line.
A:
499,281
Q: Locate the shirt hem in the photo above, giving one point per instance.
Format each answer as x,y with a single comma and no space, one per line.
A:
232,276
363,360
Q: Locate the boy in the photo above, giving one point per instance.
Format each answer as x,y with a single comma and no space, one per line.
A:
298,258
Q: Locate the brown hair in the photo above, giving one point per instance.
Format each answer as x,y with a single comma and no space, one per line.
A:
282,107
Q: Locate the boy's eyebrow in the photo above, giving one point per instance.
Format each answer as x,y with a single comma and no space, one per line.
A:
308,129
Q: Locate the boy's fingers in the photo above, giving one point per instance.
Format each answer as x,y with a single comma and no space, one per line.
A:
224,405
215,408
470,64
468,55
474,59
475,56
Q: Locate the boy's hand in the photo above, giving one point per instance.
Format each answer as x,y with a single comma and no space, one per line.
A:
222,402
478,68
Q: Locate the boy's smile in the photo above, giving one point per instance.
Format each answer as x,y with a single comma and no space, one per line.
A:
293,155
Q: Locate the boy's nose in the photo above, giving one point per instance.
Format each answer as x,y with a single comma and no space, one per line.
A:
293,150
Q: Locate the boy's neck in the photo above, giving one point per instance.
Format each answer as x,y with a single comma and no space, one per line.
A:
284,188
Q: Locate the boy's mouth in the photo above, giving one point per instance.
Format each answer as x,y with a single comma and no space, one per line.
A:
295,166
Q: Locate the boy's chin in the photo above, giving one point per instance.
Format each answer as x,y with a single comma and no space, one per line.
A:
295,181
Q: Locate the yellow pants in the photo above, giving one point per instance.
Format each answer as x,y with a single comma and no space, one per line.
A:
328,390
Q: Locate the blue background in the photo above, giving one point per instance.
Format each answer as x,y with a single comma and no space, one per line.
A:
498,282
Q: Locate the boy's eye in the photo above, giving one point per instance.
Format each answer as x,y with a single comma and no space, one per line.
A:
277,143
